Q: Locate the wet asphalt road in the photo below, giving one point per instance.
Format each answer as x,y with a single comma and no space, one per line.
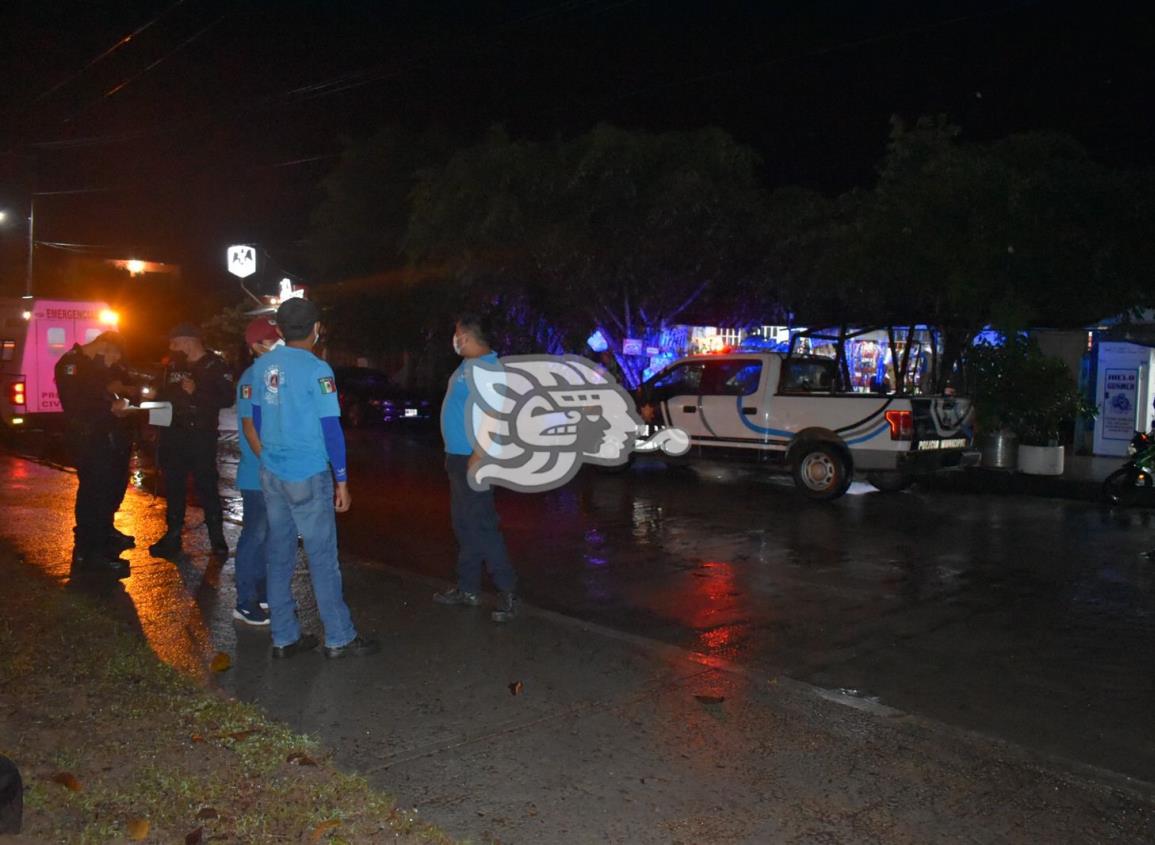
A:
1028,619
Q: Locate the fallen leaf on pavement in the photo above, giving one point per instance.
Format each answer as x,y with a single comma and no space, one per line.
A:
138,829
516,688
221,662
67,780
321,830
196,837
299,758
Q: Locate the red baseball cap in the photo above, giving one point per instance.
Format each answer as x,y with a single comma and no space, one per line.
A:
260,330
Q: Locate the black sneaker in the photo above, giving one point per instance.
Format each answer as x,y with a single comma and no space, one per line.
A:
305,642
120,541
455,595
103,563
252,615
506,608
358,647
167,547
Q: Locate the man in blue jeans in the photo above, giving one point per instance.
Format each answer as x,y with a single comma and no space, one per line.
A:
251,607
298,420
474,514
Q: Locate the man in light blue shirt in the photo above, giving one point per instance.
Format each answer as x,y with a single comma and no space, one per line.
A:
298,420
474,513
251,605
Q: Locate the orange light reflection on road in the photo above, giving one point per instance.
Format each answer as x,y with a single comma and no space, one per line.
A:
158,596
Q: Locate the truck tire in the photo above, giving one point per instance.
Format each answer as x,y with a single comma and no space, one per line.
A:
821,471
890,482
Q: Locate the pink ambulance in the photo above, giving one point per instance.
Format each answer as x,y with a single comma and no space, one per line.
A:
34,333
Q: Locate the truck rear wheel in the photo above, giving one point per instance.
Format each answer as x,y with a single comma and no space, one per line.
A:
890,482
821,472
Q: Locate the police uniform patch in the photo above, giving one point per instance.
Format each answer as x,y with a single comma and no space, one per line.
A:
69,369
327,385
246,391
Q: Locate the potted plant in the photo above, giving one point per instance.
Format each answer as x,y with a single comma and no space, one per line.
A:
990,372
1018,389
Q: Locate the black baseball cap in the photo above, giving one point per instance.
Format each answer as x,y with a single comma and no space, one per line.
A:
297,313
185,330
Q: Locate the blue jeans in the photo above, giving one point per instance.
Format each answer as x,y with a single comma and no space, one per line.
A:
251,550
305,508
477,527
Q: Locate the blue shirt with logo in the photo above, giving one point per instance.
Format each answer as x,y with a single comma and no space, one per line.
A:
453,422
249,468
294,391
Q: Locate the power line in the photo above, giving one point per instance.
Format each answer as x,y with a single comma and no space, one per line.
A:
76,191
106,53
369,75
111,92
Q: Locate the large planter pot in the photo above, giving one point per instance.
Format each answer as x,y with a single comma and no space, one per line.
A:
1000,450
1041,460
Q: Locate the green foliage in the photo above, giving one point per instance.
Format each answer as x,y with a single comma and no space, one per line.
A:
1021,232
618,229
1019,388
225,330
633,232
359,227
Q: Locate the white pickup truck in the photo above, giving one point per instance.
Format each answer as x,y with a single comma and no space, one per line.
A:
785,412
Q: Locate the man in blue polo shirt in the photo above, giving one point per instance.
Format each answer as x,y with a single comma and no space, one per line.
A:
298,420
474,513
260,336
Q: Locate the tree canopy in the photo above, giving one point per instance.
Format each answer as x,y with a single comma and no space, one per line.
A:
632,232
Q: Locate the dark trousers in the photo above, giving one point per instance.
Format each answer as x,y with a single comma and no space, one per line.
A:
121,459
477,527
184,451
97,493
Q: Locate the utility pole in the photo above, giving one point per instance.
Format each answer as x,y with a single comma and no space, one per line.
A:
31,244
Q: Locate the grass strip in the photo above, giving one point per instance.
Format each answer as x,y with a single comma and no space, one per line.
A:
115,745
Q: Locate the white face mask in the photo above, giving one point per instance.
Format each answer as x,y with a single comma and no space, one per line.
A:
456,345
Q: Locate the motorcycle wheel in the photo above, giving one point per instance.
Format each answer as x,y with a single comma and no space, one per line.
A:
1121,487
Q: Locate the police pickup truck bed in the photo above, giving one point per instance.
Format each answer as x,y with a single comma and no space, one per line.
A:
783,411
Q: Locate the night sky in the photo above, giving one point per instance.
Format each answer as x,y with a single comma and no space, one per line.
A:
216,121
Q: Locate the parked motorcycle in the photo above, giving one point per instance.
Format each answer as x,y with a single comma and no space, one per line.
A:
1123,486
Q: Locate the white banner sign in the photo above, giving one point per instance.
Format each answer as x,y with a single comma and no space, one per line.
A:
1119,404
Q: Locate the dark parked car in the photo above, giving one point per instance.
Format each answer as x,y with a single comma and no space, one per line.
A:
368,397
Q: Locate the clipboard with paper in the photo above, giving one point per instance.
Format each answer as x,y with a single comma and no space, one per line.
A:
159,413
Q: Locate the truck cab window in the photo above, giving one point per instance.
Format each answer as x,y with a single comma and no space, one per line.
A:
806,376
684,379
731,378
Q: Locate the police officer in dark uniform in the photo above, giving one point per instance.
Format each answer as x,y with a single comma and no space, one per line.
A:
88,389
123,433
199,384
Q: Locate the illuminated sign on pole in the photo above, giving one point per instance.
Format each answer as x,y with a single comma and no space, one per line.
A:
287,291
242,260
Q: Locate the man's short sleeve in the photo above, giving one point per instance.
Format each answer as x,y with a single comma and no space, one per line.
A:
245,395
325,391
